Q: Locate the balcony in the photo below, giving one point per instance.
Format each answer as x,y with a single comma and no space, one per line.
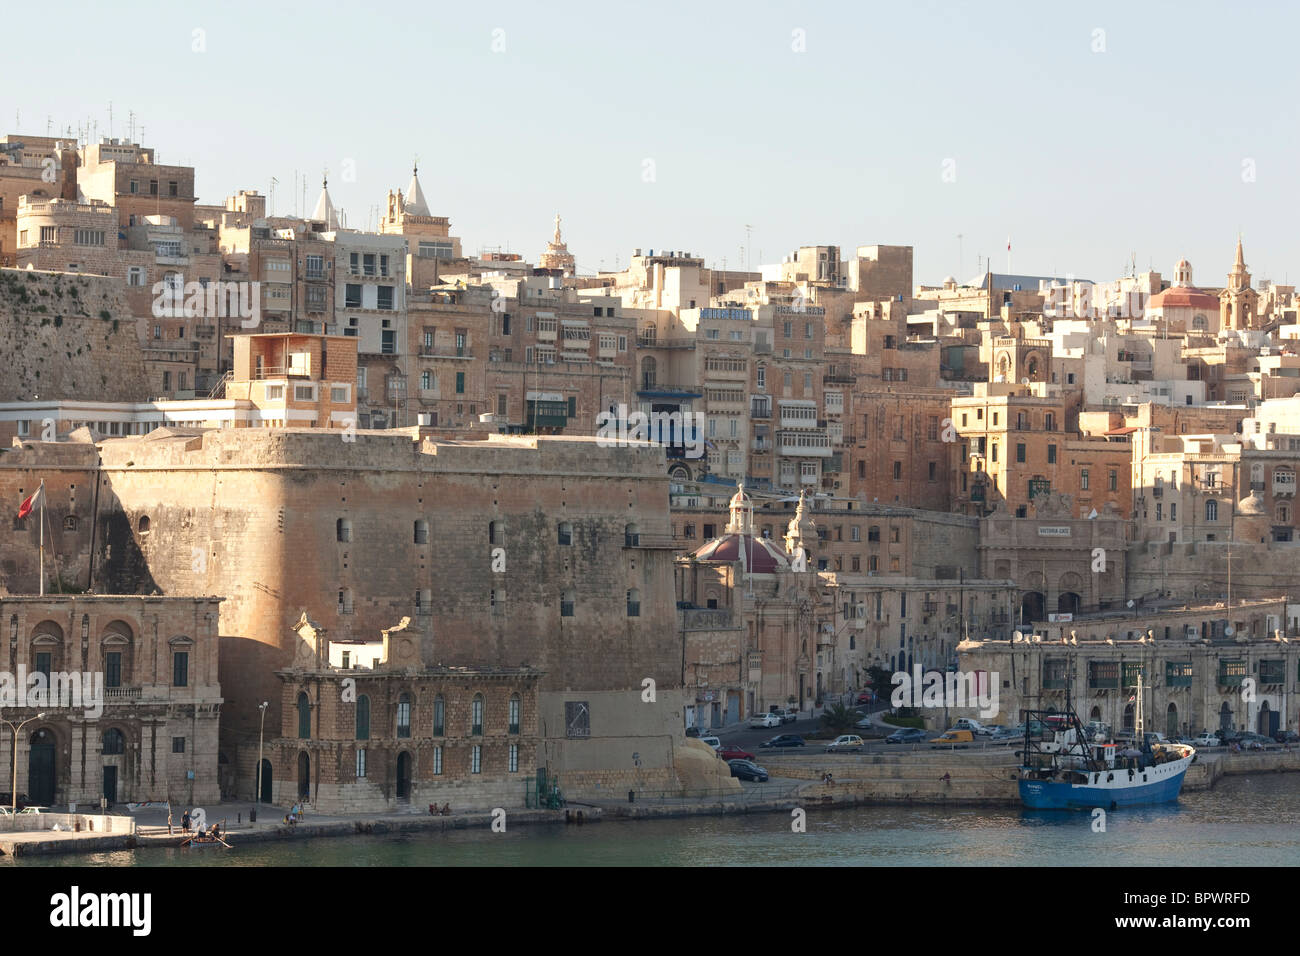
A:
653,342
839,379
651,542
447,352
122,695
761,444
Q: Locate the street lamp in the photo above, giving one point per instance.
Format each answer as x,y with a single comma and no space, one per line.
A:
13,809
257,797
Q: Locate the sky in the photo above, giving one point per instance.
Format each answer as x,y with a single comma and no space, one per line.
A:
1085,135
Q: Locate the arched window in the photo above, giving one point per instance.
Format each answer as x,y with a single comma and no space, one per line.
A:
345,600
476,716
648,372
514,714
566,604
70,523
343,529
439,716
114,742
304,716
496,532
1198,322
404,716
1283,514
631,536
1211,510
144,524
633,602
363,717
421,531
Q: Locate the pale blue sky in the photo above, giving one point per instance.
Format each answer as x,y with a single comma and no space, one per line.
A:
1081,157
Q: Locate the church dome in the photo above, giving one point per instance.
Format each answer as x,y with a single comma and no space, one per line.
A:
758,555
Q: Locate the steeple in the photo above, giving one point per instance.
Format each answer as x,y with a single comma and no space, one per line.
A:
1240,264
742,512
415,204
558,241
802,530
325,211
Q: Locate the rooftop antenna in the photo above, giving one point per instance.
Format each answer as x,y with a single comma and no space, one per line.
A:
274,182
749,259
110,119
130,124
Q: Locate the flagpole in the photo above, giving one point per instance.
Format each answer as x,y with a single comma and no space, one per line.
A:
42,494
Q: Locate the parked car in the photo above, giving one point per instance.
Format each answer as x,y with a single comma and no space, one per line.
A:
692,731
845,743
731,752
865,697
784,740
1207,739
1287,737
1253,741
974,726
959,738
907,735
747,770
713,742
1002,732
864,724
790,716
765,720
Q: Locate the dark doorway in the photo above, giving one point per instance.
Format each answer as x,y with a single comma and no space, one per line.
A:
110,785
1031,607
304,776
1268,720
40,769
404,776
1225,718
1068,603
1171,721
266,781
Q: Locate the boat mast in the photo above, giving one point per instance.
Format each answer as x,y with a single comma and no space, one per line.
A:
1138,714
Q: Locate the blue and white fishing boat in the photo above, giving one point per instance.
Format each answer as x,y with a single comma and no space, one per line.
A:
1061,769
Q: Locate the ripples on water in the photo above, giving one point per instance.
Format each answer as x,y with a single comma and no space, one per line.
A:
1243,821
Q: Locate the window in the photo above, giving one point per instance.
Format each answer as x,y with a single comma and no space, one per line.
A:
476,759
633,603
437,759
404,716
180,669
361,761
352,296
339,394
1051,454
565,533
1114,480
421,531
1211,510
460,383
1083,479
873,533
496,532
439,716
304,716
1020,452
385,299
566,604
933,471
514,758
115,743
426,381
1049,422
343,529
898,471
178,745
113,669
514,714
476,716
363,718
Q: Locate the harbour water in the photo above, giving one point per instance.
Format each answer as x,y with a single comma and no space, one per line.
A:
1243,821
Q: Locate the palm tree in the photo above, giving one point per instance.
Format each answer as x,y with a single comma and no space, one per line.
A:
840,719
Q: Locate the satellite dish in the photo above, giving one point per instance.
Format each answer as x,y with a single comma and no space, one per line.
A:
1229,630
1024,381
1018,637
1130,603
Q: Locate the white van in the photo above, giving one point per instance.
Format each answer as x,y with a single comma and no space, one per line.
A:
973,725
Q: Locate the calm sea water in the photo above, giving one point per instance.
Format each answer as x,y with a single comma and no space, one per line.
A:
1241,822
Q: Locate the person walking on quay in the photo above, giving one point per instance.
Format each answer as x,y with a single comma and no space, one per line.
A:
185,821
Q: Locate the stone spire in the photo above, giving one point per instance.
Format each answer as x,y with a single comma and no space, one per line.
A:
557,255
415,203
802,531
325,211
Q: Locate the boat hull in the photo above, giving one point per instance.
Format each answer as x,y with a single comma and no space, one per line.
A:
1053,795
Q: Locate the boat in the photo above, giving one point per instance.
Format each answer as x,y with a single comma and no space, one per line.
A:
1061,769
203,839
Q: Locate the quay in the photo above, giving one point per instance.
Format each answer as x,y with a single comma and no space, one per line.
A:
979,777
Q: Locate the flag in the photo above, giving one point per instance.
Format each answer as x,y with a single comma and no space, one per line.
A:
1008,243
1132,697
28,504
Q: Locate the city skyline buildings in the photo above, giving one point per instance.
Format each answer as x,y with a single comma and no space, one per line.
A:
1042,142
